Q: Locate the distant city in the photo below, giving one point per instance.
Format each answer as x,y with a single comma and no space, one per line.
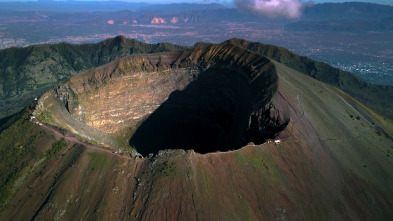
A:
367,52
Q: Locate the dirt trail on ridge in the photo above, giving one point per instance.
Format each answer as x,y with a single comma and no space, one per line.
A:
75,140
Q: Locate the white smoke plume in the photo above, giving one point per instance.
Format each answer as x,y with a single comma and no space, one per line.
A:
272,8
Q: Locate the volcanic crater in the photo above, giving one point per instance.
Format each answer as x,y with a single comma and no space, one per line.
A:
210,98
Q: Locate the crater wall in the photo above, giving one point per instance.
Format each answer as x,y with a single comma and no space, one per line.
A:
209,91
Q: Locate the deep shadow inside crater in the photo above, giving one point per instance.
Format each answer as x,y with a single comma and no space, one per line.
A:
211,114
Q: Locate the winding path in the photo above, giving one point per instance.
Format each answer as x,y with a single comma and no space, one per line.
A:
74,140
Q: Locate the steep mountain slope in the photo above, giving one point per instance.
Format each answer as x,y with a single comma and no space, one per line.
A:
378,97
333,163
26,73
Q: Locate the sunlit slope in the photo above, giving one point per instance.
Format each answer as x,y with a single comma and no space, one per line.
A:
333,163
377,97
356,141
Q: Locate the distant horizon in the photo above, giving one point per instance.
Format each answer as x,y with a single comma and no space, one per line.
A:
223,2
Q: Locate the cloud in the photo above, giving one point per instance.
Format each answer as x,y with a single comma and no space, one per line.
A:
272,8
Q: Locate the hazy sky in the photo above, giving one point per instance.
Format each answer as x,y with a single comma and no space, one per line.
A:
389,2
372,1
386,2
228,1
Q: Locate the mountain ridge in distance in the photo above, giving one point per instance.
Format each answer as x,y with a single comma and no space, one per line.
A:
26,78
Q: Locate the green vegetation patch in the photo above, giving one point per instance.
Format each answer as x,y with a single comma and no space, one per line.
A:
56,147
241,157
45,116
20,146
204,180
8,121
262,162
123,138
98,161
167,168
245,208
71,156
